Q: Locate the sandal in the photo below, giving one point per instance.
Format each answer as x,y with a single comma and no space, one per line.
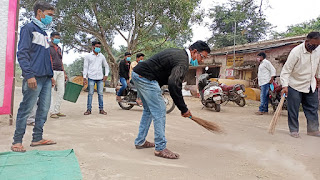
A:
166,153
42,142
147,144
17,148
314,133
87,112
294,134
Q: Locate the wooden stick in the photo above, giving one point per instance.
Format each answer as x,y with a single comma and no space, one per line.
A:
211,126
276,115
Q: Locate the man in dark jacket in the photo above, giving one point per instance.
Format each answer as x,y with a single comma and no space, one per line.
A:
34,59
124,68
168,67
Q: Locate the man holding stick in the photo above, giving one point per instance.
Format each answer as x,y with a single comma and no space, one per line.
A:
298,78
168,67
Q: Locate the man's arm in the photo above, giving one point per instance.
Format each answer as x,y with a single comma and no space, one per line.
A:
23,53
85,69
175,87
272,72
287,70
106,68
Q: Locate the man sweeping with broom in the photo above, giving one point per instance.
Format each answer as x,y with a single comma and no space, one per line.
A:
168,67
298,78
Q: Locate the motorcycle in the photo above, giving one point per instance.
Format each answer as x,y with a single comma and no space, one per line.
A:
275,96
234,93
210,92
130,96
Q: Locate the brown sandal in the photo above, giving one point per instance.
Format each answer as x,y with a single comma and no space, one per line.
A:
87,112
166,153
147,144
17,148
42,142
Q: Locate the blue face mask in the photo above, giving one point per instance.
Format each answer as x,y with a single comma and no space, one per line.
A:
97,50
47,20
141,61
56,41
194,62
128,59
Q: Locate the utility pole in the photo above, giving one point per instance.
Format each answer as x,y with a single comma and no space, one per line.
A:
234,45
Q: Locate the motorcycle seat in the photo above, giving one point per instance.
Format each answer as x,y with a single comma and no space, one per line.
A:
226,87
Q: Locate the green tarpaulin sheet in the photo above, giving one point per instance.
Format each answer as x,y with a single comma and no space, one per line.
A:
36,165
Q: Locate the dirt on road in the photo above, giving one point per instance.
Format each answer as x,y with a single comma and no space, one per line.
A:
105,148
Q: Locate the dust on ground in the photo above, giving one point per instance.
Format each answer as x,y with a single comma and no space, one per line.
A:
105,148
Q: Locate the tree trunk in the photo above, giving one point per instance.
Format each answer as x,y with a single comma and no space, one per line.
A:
114,74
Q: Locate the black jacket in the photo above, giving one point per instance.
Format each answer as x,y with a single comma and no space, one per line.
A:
168,67
124,68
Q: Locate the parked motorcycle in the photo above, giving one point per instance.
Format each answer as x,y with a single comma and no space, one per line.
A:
275,96
210,92
130,96
234,93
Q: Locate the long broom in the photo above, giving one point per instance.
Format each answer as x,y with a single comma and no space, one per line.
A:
276,115
213,127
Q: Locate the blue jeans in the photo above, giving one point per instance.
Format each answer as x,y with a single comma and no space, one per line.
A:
310,105
91,84
154,109
30,97
123,87
264,97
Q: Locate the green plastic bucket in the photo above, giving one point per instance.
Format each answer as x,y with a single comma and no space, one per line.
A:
72,91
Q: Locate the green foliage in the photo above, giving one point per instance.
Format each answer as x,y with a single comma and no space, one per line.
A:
251,24
75,69
300,29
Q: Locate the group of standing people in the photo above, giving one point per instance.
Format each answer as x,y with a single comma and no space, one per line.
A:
299,77
42,68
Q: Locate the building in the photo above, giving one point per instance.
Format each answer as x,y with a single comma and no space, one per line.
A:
240,61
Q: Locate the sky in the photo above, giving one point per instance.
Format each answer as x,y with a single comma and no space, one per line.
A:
280,13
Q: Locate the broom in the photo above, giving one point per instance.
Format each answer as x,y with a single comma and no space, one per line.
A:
213,127
276,115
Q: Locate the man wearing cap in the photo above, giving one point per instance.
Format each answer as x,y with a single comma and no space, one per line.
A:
124,68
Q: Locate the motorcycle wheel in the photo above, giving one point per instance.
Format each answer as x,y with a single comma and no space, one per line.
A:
241,102
217,107
125,106
169,102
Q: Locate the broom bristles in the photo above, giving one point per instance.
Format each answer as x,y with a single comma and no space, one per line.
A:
211,126
276,116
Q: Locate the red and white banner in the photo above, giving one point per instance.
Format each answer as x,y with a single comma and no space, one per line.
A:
7,52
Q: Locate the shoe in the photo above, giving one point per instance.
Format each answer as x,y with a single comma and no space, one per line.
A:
259,113
55,116
87,112
61,115
102,112
294,134
314,133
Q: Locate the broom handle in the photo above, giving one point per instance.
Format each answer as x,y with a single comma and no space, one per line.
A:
276,114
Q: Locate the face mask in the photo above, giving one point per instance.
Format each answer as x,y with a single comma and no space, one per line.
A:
194,62
128,58
311,47
56,41
47,20
97,50
141,61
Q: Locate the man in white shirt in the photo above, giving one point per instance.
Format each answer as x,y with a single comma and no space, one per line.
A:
92,69
298,79
266,73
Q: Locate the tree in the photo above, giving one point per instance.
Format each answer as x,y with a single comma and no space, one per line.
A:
247,17
145,24
300,29
76,68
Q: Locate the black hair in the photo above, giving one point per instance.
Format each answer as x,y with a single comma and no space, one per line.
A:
262,54
54,34
96,42
313,35
127,54
139,55
200,46
42,6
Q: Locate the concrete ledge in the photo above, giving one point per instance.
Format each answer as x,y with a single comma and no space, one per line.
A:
110,90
